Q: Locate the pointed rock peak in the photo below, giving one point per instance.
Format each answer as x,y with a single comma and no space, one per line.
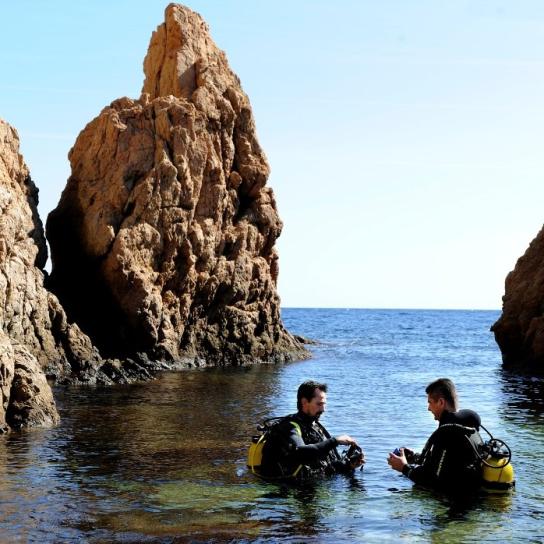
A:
167,220
12,165
182,57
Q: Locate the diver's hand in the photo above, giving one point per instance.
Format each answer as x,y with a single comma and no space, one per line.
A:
346,440
397,462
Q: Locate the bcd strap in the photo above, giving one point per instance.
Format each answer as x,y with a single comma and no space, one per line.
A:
297,427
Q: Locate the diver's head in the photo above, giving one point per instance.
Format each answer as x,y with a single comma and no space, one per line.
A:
441,396
312,398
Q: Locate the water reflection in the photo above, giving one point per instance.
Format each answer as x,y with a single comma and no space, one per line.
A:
309,509
522,393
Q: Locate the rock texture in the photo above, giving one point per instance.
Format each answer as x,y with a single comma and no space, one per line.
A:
25,311
34,323
519,332
29,402
163,240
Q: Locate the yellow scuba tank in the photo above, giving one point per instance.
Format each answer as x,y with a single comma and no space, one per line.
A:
497,469
255,453
256,448
498,474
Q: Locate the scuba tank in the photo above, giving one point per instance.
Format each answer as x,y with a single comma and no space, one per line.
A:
255,451
268,437
497,469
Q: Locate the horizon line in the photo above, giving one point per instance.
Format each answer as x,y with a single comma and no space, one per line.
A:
391,309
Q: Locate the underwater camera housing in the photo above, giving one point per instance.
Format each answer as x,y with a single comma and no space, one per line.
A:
353,456
411,457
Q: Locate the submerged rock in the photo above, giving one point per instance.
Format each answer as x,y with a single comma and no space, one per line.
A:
163,240
519,331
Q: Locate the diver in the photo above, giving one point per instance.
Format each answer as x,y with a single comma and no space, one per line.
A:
298,446
449,461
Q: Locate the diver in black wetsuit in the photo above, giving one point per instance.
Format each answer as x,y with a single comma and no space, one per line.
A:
300,447
449,461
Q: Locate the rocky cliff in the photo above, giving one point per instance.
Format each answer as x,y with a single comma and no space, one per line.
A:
36,334
27,314
163,240
519,332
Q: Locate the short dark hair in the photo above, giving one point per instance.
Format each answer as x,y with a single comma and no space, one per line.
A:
443,388
306,391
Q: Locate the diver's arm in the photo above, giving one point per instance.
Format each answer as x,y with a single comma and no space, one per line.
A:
426,470
306,453
419,474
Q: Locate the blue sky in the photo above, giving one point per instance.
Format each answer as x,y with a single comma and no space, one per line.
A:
404,137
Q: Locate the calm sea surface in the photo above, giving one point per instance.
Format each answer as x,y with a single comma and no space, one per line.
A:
165,461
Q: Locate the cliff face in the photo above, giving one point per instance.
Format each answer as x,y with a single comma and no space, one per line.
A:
36,335
519,332
163,240
25,310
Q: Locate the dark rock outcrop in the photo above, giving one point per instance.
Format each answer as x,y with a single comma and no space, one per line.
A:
163,240
519,331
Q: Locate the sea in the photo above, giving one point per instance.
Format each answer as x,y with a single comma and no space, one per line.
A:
165,461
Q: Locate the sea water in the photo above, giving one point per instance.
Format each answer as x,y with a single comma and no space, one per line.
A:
164,461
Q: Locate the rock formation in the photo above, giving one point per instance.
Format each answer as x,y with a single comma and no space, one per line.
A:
33,324
163,240
27,399
26,316
519,332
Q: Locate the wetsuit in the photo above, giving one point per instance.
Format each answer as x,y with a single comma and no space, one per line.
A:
448,461
300,447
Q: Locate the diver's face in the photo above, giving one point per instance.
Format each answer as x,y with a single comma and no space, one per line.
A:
315,407
436,406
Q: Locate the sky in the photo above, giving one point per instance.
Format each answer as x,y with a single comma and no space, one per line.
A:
404,136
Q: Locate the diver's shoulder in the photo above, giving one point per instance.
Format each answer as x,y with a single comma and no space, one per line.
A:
464,417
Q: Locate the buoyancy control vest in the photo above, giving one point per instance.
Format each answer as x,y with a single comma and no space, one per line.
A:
272,453
449,460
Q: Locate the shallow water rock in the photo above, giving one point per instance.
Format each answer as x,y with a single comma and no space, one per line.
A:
31,399
27,399
163,242
519,331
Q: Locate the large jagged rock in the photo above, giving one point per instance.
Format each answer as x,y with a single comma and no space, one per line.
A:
163,240
519,332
